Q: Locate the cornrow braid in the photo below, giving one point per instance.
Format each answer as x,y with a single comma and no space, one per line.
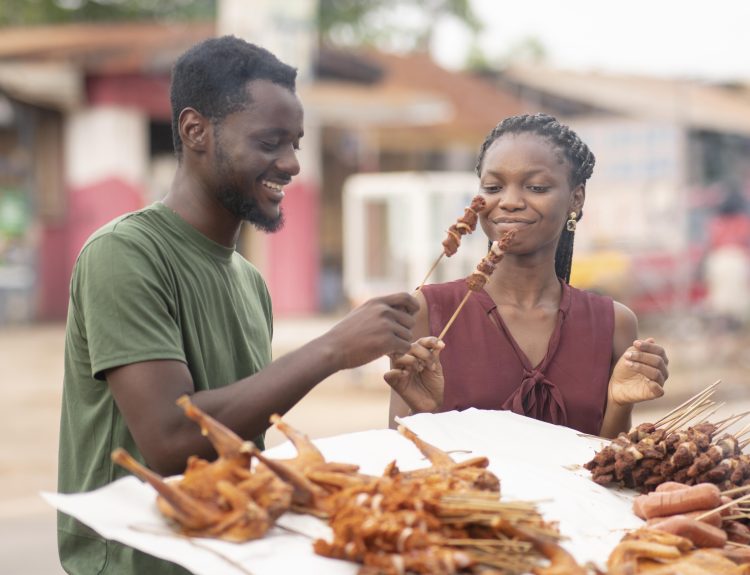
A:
577,153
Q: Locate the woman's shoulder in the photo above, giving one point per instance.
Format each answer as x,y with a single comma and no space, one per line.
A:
445,291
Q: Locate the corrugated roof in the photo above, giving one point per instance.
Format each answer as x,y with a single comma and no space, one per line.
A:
477,104
690,103
108,48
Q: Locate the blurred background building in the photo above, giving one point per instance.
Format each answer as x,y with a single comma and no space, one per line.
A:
387,164
85,136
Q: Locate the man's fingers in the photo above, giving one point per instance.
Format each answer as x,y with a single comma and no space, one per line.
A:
402,301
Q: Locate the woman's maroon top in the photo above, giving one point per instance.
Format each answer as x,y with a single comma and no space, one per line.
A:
484,367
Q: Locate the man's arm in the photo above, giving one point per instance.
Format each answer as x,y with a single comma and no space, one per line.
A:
146,392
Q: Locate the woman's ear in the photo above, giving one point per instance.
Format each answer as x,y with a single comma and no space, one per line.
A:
577,198
194,130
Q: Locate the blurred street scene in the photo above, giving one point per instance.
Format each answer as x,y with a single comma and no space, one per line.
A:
391,139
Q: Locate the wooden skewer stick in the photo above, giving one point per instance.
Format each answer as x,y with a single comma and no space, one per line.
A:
708,415
722,507
432,269
722,426
742,432
697,397
735,490
455,314
732,419
689,414
699,410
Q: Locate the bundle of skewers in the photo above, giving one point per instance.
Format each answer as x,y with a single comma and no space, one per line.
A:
683,446
695,478
442,519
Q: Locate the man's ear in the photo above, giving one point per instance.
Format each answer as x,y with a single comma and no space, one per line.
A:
194,130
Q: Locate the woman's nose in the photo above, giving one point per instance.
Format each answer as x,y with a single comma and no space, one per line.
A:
511,199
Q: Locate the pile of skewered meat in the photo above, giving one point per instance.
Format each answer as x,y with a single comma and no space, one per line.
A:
700,513
443,519
648,456
231,499
654,552
654,453
224,498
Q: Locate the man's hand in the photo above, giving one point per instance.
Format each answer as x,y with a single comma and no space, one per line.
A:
380,326
417,376
639,374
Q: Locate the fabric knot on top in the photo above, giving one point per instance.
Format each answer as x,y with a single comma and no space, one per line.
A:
539,398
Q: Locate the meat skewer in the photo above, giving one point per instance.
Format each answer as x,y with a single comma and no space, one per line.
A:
479,277
466,224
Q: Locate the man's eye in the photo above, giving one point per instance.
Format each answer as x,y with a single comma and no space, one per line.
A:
270,146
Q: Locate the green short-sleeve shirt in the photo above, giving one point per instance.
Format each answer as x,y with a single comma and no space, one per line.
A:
147,286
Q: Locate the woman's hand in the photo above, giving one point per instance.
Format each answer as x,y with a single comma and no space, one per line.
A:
417,376
640,373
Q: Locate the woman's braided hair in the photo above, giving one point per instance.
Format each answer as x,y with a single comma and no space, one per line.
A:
577,153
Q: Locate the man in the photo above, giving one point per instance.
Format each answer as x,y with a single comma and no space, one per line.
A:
161,305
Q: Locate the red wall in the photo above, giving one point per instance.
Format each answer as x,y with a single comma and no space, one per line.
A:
294,253
89,208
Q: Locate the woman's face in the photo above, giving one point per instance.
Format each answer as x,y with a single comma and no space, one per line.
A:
526,183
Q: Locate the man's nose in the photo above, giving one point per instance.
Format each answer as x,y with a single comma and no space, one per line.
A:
288,162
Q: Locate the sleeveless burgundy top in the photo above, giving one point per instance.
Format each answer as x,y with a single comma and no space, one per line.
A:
485,368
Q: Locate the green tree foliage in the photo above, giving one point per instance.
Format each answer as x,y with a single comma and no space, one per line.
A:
38,12
404,24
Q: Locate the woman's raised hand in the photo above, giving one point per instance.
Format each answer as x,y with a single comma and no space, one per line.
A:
640,373
417,376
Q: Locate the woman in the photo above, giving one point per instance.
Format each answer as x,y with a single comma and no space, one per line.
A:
529,342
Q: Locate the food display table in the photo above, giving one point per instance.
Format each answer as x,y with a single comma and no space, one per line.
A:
535,461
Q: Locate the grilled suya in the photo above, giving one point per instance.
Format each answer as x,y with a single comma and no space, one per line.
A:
443,519
653,552
484,269
222,499
648,456
464,225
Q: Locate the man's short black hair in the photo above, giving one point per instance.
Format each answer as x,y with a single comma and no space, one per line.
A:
212,76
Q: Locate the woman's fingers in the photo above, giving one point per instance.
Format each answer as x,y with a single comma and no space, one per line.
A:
648,345
640,361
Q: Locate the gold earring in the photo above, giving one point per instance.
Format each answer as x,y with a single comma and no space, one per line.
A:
571,223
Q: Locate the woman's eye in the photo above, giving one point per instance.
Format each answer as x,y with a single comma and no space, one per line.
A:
491,188
539,189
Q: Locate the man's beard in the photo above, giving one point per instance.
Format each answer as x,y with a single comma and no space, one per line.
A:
237,204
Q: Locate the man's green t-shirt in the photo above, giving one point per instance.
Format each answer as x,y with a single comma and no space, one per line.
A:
147,286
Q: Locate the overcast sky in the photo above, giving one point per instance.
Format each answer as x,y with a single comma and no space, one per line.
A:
700,38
